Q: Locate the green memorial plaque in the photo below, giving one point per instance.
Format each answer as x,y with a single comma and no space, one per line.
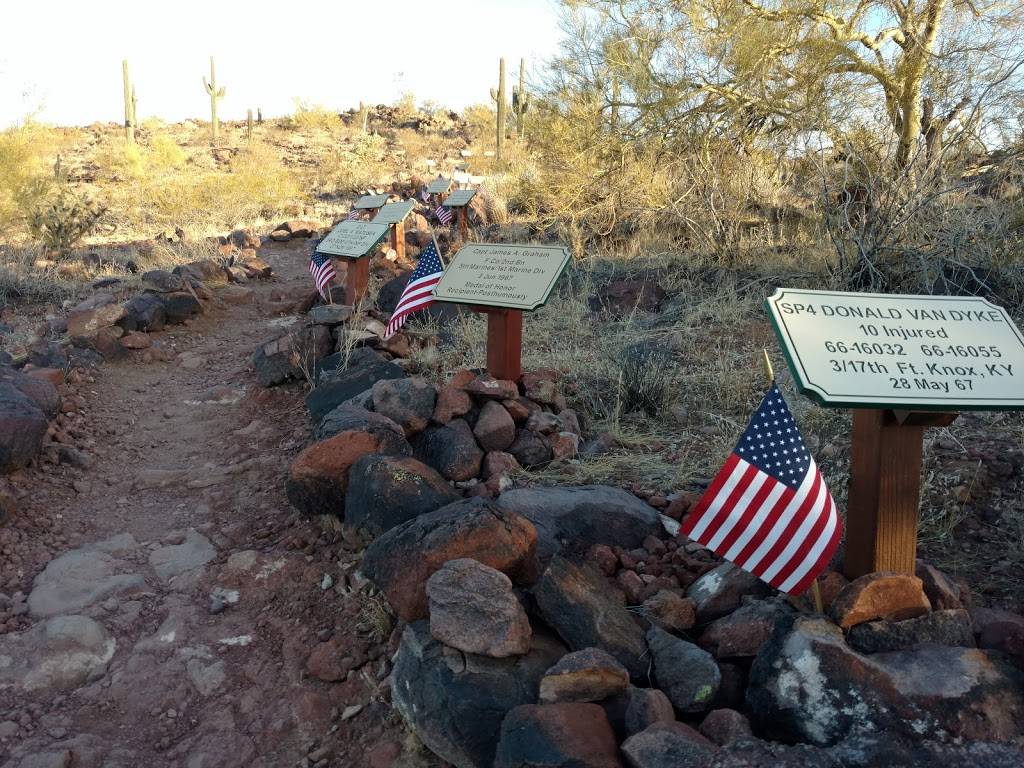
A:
459,198
392,213
440,186
502,275
368,202
353,239
874,350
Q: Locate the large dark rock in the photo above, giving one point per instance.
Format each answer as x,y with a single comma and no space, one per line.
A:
807,685
180,306
400,561
580,604
292,355
385,491
145,312
407,402
48,355
741,633
206,271
451,449
686,673
587,675
161,281
336,384
573,519
952,627
319,476
530,449
455,702
564,735
637,709
668,745
350,416
721,591
22,428
42,393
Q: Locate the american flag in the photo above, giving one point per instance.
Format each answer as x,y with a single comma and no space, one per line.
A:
424,195
418,292
768,510
322,269
353,214
444,214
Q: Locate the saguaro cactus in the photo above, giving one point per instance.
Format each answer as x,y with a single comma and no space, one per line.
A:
520,100
215,96
248,126
499,97
129,103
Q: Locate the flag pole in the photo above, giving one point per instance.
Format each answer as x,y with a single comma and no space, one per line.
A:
815,589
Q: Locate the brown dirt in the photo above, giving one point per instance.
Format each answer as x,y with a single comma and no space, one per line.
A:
232,443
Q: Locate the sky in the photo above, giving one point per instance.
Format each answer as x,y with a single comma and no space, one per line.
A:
62,58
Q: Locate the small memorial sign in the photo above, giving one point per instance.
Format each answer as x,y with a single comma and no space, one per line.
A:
353,239
872,350
393,213
370,202
460,198
502,275
439,186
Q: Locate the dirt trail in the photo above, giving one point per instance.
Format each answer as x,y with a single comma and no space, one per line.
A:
198,593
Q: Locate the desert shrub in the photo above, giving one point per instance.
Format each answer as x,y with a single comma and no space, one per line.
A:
405,107
314,117
480,124
26,174
121,160
64,219
165,154
352,167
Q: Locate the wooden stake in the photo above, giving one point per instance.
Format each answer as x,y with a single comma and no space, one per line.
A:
819,605
504,342
357,278
398,240
464,222
885,489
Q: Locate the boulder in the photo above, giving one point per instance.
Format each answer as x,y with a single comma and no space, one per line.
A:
85,322
78,579
292,355
952,627
725,726
349,416
579,604
494,389
338,379
452,403
587,675
385,491
1000,630
473,609
22,428
498,463
161,281
670,611
400,561
668,745
573,519
530,449
58,654
494,429
329,314
636,709
451,450
407,402
891,596
686,673
721,590
318,478
943,593
48,355
180,306
145,313
807,685
565,735
741,633
300,228
38,389
455,702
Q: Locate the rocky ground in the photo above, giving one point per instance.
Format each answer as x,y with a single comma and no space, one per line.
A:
161,601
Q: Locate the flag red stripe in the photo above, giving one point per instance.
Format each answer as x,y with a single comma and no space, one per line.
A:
728,505
781,533
819,565
752,538
690,523
812,531
748,515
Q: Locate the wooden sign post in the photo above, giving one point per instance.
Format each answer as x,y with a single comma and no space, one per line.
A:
904,364
439,188
459,200
504,281
393,215
371,203
353,241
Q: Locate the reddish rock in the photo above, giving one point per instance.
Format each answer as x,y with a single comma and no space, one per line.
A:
473,609
830,583
280,235
668,745
520,409
494,429
566,735
107,341
461,378
540,386
86,322
632,587
401,561
743,632
544,422
452,403
499,463
332,661
1000,631
724,726
587,675
890,596
298,228
491,388
570,421
136,340
604,558
564,445
318,478
256,268
384,755
670,611
943,593
53,375
680,505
